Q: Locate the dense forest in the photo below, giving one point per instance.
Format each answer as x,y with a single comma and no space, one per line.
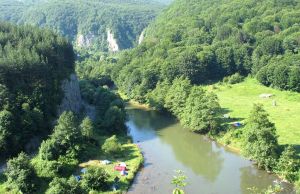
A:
85,22
33,63
249,37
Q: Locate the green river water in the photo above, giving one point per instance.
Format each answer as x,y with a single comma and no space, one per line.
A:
210,168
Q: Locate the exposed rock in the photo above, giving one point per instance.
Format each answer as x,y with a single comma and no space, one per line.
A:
72,100
112,42
141,38
85,40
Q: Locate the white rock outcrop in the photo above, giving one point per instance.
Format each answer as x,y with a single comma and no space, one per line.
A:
141,38
85,40
112,42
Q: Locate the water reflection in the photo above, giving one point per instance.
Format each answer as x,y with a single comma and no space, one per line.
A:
167,146
193,151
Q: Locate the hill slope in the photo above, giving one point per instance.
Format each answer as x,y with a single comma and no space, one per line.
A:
207,40
87,23
33,63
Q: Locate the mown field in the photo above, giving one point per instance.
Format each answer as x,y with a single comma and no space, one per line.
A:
237,101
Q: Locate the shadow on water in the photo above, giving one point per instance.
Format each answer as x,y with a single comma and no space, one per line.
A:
147,122
193,151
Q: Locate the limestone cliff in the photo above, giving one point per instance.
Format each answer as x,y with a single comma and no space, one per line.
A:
72,100
112,42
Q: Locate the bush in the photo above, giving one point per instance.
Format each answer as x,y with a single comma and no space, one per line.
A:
45,168
20,174
234,79
288,164
112,146
95,178
65,186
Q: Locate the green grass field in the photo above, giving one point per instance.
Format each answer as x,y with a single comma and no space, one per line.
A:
238,100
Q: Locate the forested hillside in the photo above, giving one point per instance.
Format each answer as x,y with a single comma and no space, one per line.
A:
86,23
200,42
33,63
208,40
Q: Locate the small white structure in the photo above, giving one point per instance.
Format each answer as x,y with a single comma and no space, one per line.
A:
123,164
105,162
265,95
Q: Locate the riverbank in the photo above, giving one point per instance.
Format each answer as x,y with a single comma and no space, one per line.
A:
231,138
167,146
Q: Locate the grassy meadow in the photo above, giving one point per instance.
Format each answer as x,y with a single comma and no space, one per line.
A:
237,100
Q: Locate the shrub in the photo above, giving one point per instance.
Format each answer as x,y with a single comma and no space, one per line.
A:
234,79
112,146
46,168
288,164
20,174
95,178
65,186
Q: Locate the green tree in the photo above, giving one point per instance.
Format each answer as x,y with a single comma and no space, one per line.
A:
65,186
114,119
6,129
87,128
67,133
176,97
288,164
95,178
20,174
112,146
260,139
200,111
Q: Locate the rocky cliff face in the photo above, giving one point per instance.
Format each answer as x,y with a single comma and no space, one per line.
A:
85,40
141,38
72,100
112,42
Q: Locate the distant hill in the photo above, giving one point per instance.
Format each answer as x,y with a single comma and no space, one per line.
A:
86,23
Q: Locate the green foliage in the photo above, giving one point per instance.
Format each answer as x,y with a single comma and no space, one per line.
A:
288,164
33,63
260,139
112,146
85,23
6,126
65,186
95,178
179,180
176,96
202,45
20,174
233,79
110,112
87,128
200,111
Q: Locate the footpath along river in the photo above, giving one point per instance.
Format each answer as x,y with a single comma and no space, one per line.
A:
210,167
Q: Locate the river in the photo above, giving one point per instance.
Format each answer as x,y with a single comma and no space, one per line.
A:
210,167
